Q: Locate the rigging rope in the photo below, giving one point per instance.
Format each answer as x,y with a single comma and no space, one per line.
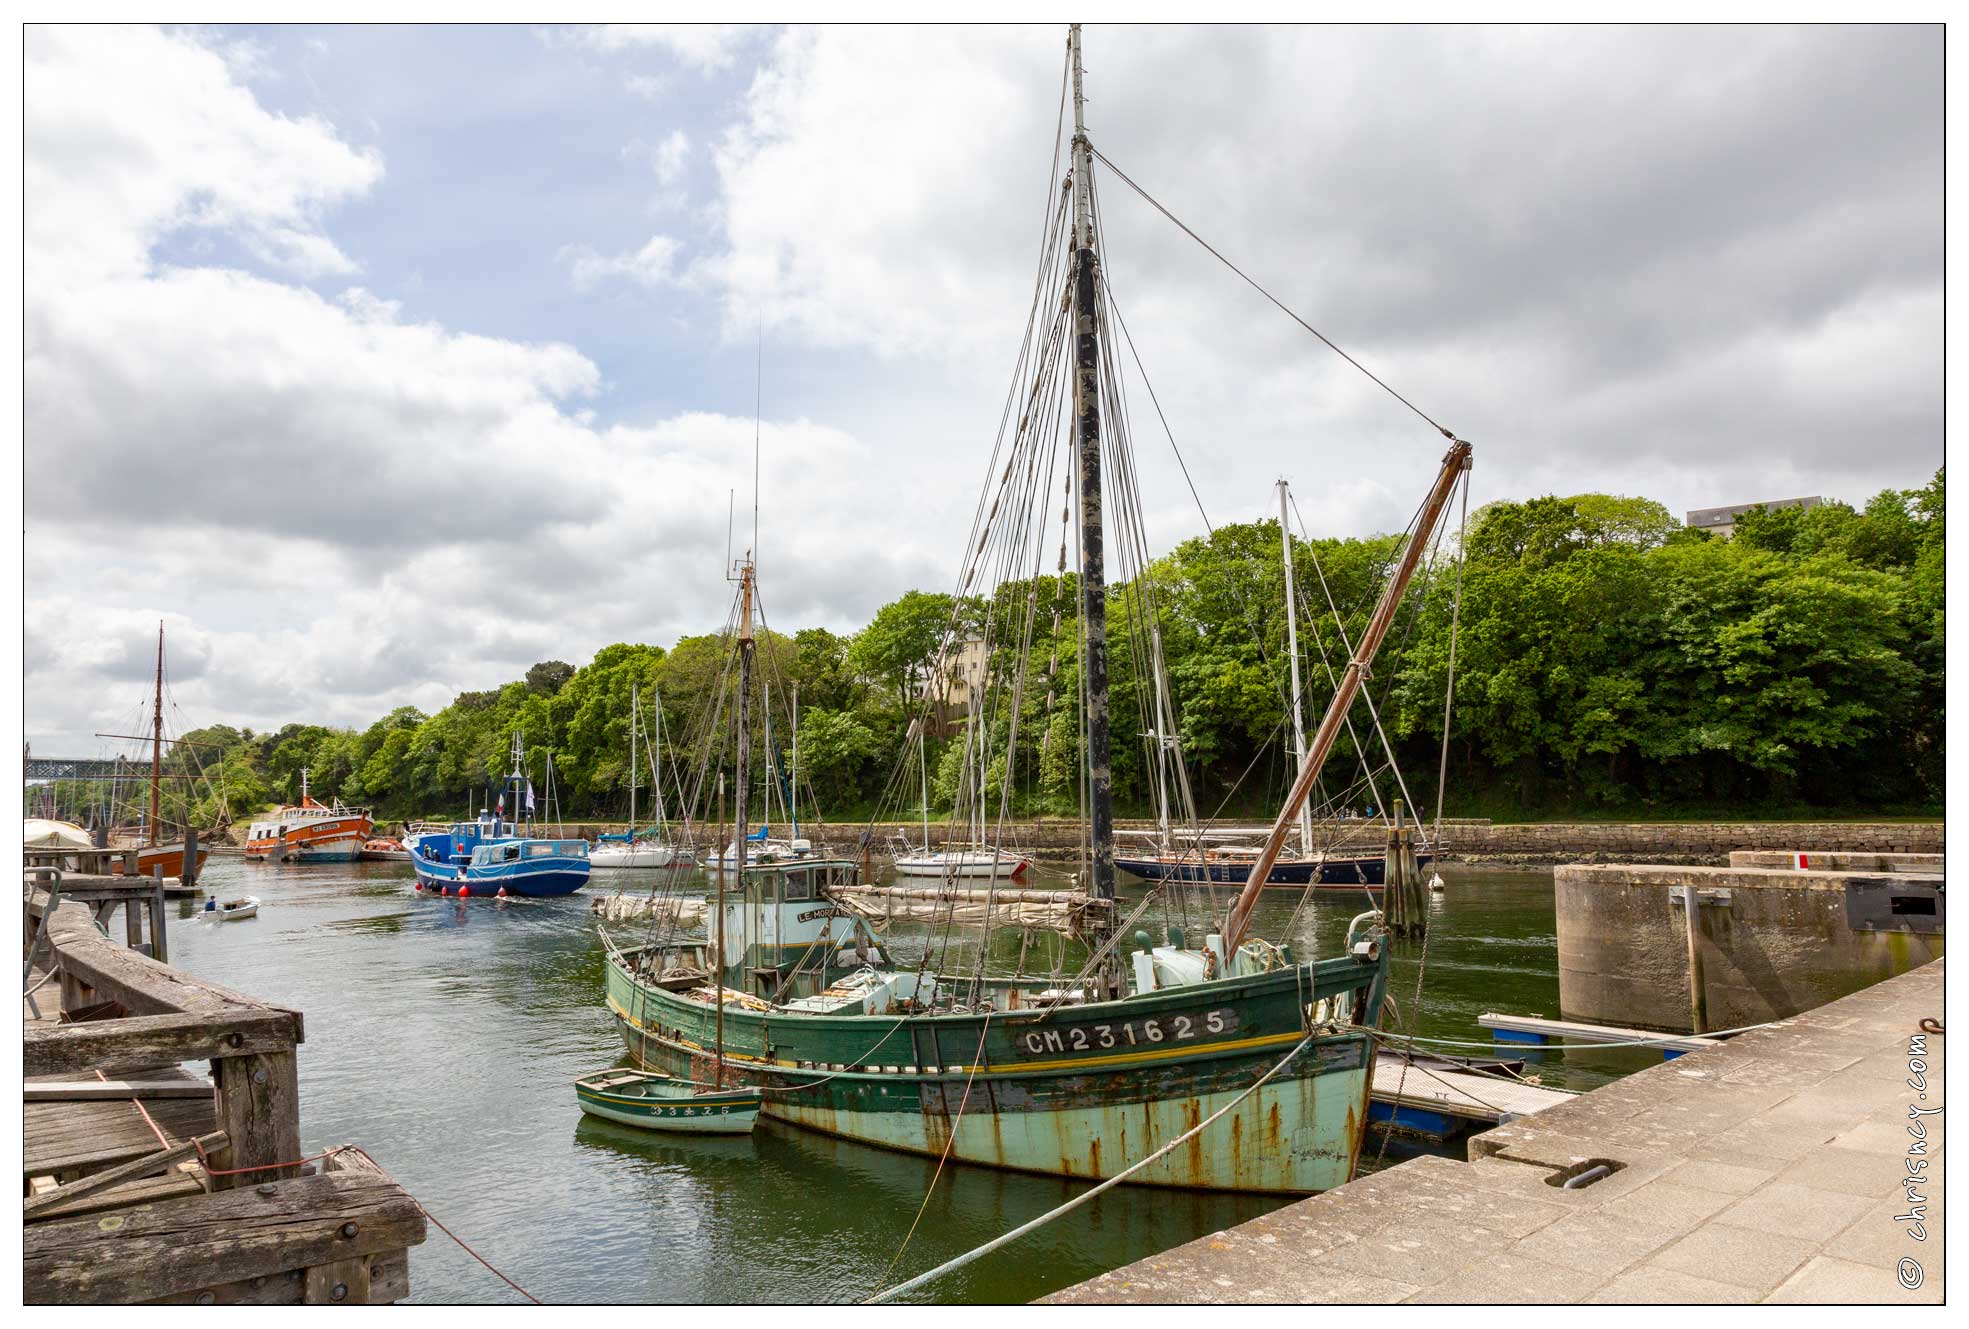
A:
1330,345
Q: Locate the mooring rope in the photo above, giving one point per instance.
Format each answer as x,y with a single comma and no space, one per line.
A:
950,1142
210,1171
890,1294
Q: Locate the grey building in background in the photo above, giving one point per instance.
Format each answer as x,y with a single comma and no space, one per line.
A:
1722,522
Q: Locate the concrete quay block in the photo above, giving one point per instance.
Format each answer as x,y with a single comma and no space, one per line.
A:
1749,1258
1511,1280
1790,1210
1595,1243
1785,941
1828,1278
1653,1285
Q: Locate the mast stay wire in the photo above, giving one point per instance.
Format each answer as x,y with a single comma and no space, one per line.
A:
1283,308
1367,693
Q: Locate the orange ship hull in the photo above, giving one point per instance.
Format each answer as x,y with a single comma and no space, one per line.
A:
169,857
326,840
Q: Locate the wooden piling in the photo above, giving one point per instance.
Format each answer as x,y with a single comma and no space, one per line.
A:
1403,907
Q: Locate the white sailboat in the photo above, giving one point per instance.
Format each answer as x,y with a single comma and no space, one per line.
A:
952,860
631,850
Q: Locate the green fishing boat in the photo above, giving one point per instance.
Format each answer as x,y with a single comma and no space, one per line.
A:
1177,1054
659,1102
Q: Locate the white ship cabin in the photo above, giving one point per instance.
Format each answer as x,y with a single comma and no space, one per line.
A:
293,817
797,938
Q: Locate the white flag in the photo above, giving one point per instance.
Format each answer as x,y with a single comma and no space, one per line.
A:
529,795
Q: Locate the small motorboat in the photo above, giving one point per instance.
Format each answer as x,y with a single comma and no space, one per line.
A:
246,906
659,1102
383,849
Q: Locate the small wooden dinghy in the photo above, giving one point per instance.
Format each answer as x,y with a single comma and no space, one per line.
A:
244,907
659,1102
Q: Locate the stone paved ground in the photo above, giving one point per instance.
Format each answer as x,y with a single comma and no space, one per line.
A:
1767,1169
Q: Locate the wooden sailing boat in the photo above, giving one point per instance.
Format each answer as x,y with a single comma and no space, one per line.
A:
152,855
1086,1075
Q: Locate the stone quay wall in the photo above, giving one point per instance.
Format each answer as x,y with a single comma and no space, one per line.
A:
1464,839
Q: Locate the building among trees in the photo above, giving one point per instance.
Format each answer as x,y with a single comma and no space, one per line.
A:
1722,522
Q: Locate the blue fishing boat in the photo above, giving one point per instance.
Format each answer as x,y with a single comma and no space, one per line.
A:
495,856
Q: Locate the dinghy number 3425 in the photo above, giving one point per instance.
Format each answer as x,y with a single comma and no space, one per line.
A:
1130,1033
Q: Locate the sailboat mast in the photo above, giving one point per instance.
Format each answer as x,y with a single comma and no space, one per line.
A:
793,771
1292,654
1455,462
656,766
744,781
1087,414
157,734
635,717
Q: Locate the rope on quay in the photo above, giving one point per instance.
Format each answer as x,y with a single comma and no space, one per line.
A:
891,1293
206,1163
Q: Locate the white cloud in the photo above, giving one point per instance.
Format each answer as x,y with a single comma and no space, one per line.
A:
346,509
136,133
650,87
667,158
653,265
704,47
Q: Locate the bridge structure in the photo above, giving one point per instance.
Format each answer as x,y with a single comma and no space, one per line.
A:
87,768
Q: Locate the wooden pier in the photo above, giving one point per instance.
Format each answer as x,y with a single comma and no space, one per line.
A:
146,1181
1444,1100
1537,1031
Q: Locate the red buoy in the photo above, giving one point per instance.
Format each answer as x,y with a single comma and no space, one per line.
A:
464,891
502,892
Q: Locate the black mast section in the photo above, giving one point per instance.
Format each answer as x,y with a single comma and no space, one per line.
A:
1087,414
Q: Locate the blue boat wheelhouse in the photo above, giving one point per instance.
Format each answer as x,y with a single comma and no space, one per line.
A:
494,856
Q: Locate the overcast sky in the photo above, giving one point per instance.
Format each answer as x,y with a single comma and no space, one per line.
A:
381,363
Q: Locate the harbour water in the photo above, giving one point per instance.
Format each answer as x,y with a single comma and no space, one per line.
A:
443,1035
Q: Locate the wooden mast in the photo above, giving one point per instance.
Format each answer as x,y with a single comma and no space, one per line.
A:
1087,414
1455,462
156,735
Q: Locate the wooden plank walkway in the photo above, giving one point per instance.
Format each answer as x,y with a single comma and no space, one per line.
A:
1462,1094
183,1188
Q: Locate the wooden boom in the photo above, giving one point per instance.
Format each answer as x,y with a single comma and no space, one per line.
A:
1455,462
